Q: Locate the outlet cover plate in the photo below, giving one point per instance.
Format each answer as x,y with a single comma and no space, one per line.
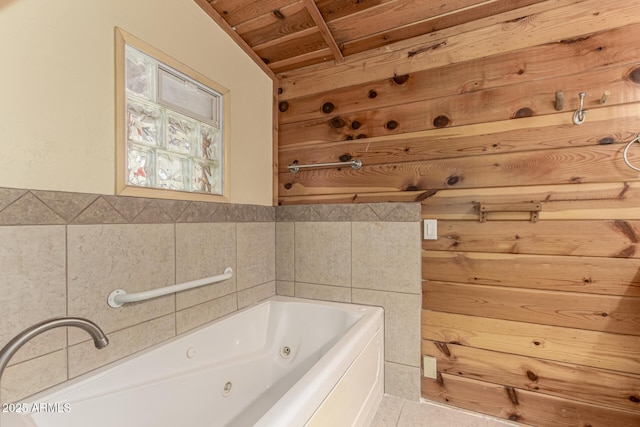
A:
429,367
430,229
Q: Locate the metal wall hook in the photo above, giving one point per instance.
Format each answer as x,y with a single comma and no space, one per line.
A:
579,115
625,156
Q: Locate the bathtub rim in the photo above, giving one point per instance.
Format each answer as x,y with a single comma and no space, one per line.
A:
372,321
56,392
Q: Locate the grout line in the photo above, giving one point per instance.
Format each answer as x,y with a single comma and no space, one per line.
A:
402,402
66,280
351,262
18,198
83,210
175,276
295,275
47,206
236,272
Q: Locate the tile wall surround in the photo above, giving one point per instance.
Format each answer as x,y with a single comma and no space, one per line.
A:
364,254
63,253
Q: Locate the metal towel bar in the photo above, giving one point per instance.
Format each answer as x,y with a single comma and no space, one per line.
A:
354,163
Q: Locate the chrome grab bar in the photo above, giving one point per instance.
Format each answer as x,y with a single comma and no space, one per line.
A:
354,163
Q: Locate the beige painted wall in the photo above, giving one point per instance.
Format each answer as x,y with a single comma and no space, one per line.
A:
57,91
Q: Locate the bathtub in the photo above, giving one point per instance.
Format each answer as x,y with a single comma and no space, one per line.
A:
283,362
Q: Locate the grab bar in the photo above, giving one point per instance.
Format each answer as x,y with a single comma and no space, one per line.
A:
119,297
295,167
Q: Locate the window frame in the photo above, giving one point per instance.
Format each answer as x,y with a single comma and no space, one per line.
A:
122,187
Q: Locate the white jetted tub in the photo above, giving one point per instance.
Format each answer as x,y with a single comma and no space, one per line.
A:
283,362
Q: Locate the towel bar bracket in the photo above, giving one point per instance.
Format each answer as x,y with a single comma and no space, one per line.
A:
533,207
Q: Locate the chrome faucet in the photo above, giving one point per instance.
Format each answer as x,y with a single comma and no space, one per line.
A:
99,338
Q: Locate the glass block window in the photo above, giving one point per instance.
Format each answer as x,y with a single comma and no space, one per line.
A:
174,128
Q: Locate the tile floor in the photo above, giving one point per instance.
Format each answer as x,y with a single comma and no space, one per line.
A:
396,412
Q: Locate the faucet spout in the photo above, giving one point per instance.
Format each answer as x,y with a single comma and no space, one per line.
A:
99,338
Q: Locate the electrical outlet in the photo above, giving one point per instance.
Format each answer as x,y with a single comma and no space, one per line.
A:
429,367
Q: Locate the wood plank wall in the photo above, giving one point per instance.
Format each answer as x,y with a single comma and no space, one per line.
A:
536,322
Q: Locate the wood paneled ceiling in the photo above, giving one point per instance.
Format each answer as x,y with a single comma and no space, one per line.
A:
284,35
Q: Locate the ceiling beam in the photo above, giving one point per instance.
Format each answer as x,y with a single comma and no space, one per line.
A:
204,4
324,29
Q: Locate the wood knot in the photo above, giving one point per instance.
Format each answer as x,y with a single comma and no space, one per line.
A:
523,112
433,47
576,40
606,141
280,91
441,121
439,379
634,75
400,80
518,19
288,186
536,343
345,157
634,399
283,106
627,230
532,376
278,14
391,125
512,394
337,123
361,136
627,252
453,180
355,125
327,107
372,94
411,188
349,138
443,348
